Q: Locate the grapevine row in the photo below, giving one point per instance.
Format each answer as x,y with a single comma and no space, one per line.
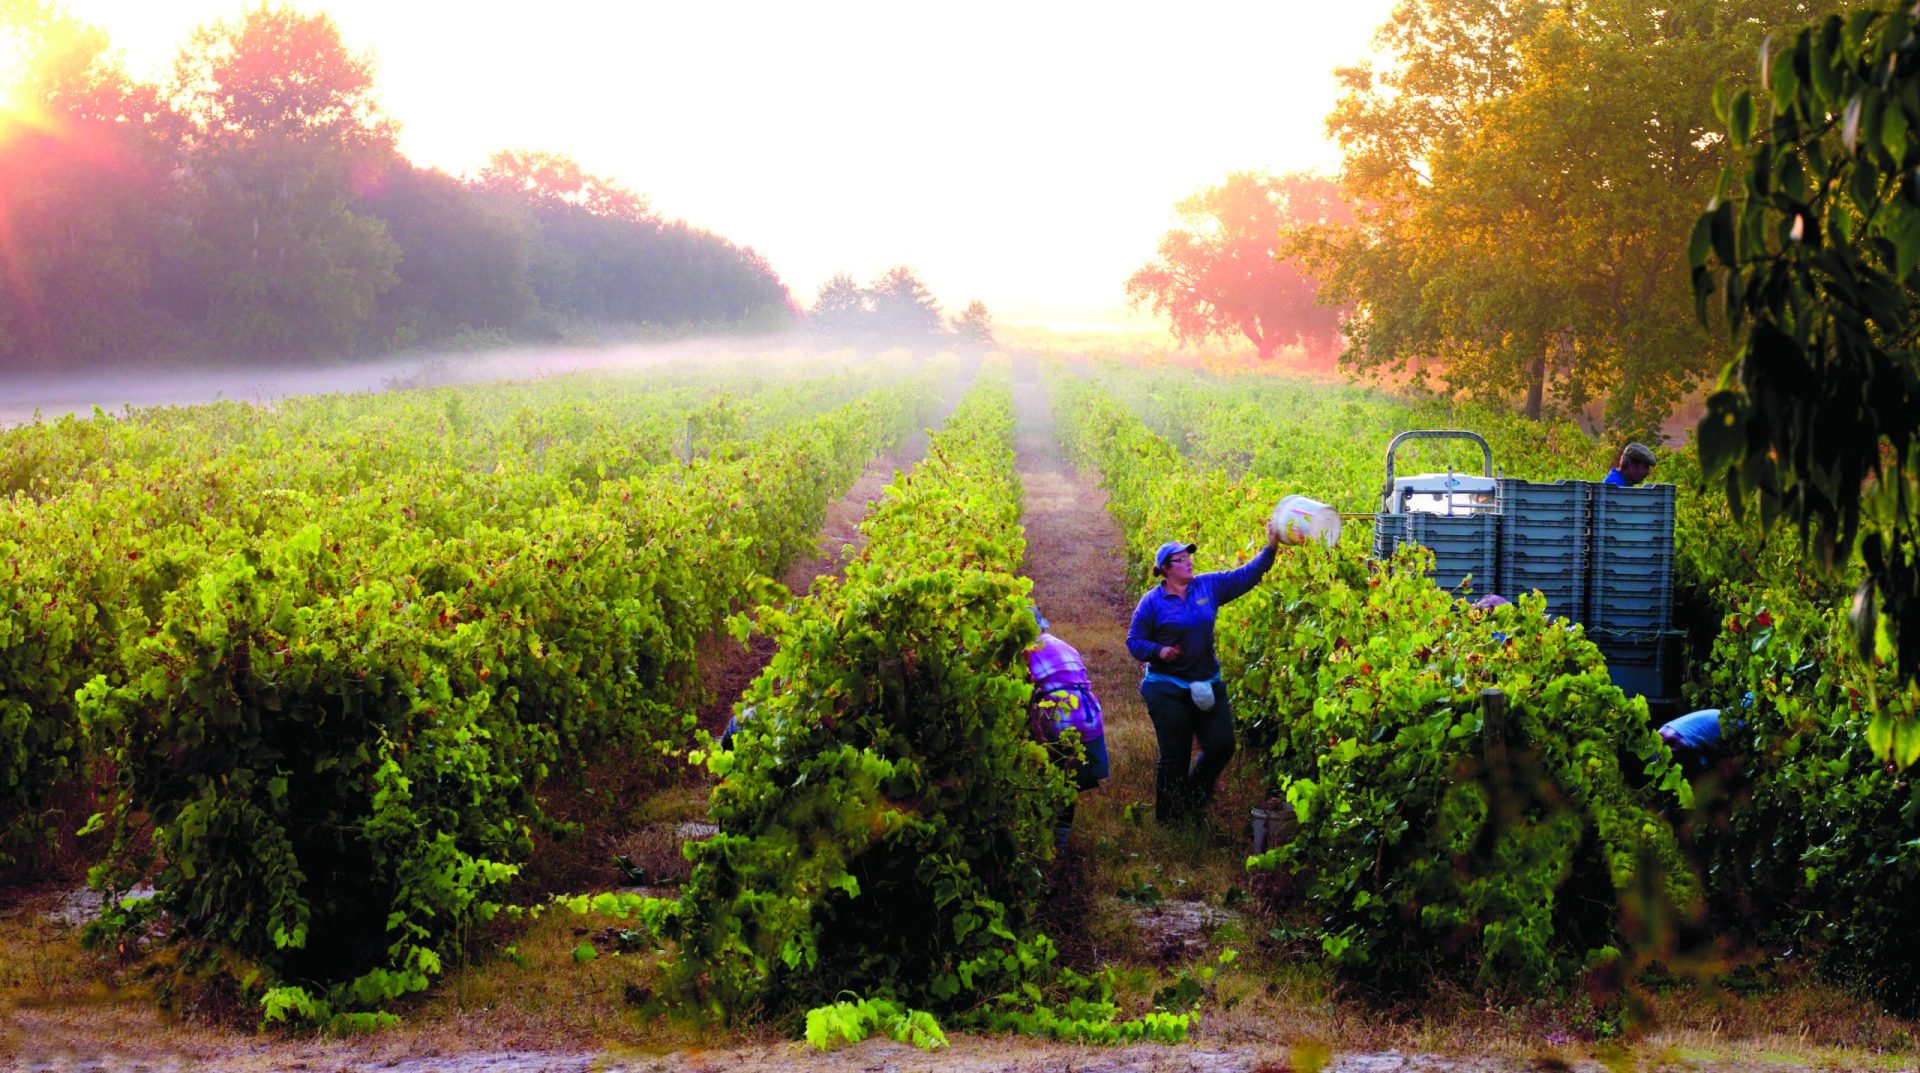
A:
1806,839
883,815
153,502
328,719
581,427
1435,833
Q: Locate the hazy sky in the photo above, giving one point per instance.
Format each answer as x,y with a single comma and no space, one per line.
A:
1026,154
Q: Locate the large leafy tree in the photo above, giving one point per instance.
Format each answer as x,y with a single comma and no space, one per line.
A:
1221,274
1524,171
1817,253
278,74
284,126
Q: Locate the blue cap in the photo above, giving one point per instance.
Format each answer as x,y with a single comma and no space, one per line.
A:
1168,551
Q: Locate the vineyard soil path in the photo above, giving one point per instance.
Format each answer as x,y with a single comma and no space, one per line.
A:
1076,558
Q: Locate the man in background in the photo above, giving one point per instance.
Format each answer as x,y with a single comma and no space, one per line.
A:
1635,465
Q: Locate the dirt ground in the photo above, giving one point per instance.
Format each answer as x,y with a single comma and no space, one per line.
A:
1124,893
965,1055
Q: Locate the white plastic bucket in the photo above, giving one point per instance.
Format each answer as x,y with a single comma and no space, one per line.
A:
1271,827
1299,519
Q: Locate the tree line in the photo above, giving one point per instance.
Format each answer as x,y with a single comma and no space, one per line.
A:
896,307
254,204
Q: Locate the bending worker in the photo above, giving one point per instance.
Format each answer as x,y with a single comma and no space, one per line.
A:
1635,465
1694,739
1172,633
1063,700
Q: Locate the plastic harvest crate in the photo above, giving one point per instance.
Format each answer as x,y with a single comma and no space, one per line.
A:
1465,549
1601,554
1388,531
1544,542
1642,662
1632,571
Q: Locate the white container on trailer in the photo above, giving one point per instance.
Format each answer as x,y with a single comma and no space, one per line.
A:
1441,493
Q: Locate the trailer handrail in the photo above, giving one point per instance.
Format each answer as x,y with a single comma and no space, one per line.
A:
1486,453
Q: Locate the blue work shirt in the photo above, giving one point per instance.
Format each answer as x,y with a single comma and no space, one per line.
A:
1696,732
1163,620
1615,478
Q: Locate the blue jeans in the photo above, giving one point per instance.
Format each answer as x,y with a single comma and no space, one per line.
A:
1182,782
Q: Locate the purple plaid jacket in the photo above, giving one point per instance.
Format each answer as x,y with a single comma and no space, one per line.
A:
1060,675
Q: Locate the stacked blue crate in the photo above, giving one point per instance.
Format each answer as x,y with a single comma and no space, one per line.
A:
1632,588
1601,554
1388,531
1644,670
1465,548
1544,542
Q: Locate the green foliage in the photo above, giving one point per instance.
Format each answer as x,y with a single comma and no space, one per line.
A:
850,1022
1085,1021
1806,837
1847,890
1433,840
333,661
1523,174
1412,798
45,628
1815,252
882,815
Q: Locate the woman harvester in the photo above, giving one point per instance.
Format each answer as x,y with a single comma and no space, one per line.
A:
1172,633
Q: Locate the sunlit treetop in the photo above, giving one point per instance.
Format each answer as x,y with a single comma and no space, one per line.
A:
553,178
278,72
22,31
56,72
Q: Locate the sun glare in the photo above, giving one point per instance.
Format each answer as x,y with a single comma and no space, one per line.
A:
13,76
19,108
